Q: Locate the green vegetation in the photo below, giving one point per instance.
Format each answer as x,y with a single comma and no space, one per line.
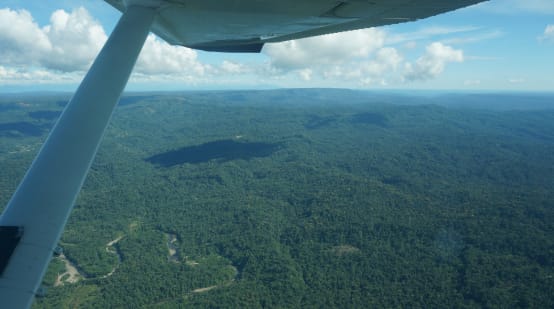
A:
304,199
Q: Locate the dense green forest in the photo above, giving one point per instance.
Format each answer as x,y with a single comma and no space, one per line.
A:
303,198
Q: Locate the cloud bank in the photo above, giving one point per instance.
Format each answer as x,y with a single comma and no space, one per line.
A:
62,50
359,56
433,62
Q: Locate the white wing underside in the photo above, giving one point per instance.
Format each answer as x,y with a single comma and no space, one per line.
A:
244,26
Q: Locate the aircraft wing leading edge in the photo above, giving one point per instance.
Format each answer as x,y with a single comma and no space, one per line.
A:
33,221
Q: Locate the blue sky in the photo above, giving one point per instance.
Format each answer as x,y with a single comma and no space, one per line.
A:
498,45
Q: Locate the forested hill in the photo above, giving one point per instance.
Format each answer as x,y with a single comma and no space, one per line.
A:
303,198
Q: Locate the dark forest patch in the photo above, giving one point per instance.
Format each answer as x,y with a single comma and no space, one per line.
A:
128,100
22,127
45,115
222,150
236,97
9,106
371,118
316,122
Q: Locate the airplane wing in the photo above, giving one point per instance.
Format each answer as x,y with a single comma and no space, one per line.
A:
245,26
34,219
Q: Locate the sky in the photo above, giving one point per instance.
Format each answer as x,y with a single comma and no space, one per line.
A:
505,45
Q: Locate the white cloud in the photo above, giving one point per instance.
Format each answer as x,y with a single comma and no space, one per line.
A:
433,62
305,74
14,76
516,80
362,57
61,51
76,39
324,50
68,44
548,34
158,57
356,56
21,40
232,67
472,82
386,59
376,69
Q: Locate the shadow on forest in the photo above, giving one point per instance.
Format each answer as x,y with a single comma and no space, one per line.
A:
316,122
128,100
223,150
24,128
45,115
371,118
124,100
7,107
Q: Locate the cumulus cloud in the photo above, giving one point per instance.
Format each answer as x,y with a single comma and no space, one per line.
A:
158,57
63,49
232,67
386,60
305,74
68,44
373,70
548,34
15,76
76,39
358,56
433,62
21,39
362,56
327,49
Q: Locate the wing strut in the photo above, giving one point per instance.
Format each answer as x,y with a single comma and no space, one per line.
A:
41,205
